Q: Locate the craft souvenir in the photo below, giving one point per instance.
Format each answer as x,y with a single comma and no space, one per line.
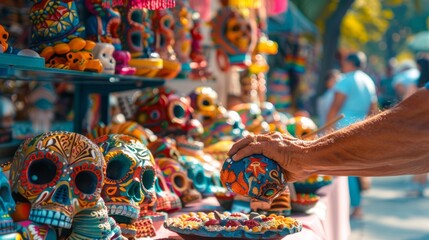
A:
182,13
102,23
215,225
250,114
272,117
34,231
122,66
163,112
130,179
255,176
312,183
104,53
53,22
304,202
177,180
163,26
234,35
204,101
199,65
167,200
281,205
137,38
4,45
7,205
42,99
74,55
94,223
226,127
301,126
59,174
196,173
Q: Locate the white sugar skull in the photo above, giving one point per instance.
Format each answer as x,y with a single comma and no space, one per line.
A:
130,179
104,52
60,174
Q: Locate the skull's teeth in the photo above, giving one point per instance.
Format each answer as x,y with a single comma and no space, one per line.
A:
49,217
126,211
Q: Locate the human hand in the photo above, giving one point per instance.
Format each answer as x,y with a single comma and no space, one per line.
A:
282,148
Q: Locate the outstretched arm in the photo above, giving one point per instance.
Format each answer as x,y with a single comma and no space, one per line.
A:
393,142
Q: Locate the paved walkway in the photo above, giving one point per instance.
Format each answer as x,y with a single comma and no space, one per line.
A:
390,214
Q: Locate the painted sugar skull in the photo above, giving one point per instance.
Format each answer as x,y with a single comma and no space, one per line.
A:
4,36
235,36
301,126
54,21
167,200
104,53
177,180
7,205
163,112
204,101
130,178
255,176
226,127
60,174
251,116
272,117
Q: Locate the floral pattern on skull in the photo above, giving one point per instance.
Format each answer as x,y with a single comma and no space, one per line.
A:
130,179
60,174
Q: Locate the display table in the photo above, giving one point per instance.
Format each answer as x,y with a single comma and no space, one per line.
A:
329,219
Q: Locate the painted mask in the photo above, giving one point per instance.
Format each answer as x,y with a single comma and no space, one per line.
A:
235,36
4,36
177,180
7,205
54,21
163,112
60,174
129,181
301,126
255,176
104,53
251,116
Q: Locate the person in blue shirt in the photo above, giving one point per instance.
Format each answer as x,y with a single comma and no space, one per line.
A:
355,97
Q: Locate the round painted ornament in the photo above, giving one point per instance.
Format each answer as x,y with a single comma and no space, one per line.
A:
255,176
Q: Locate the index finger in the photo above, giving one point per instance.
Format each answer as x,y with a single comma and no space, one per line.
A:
240,144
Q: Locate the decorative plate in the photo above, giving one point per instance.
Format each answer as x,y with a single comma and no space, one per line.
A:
215,225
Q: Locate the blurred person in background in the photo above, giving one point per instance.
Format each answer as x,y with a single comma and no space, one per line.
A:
325,100
354,96
406,78
387,94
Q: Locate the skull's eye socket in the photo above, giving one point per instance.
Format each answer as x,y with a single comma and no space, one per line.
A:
155,115
86,182
179,111
42,171
75,60
206,103
148,179
4,36
269,192
118,167
235,28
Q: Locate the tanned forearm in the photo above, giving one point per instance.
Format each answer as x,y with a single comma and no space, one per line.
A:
393,142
